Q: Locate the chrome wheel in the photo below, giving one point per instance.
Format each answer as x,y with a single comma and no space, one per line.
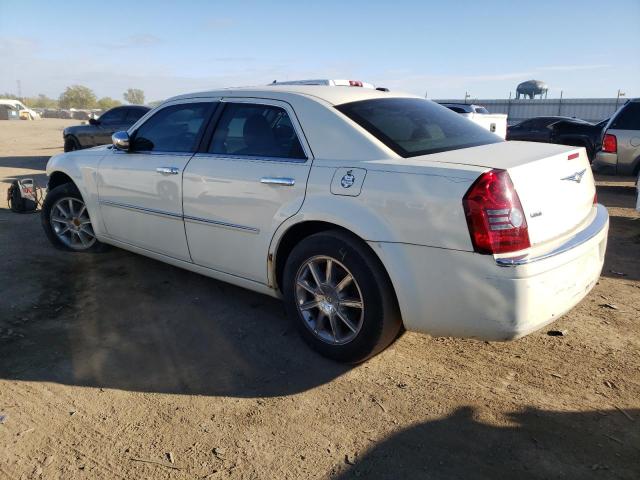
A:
329,300
71,223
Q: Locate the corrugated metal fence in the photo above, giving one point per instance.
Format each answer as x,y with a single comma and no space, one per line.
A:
589,109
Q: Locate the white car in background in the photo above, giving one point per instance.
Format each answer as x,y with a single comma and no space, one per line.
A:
494,122
366,211
25,112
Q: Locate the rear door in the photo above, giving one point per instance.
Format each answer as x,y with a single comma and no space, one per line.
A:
249,179
140,191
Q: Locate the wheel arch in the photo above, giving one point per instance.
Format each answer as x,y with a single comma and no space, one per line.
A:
636,168
296,232
58,178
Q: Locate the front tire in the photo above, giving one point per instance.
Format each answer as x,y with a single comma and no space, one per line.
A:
339,295
66,221
71,144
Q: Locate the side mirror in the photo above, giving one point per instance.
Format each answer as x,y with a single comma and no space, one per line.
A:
93,121
120,140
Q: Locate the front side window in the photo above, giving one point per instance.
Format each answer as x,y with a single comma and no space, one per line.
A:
256,130
113,117
172,129
414,126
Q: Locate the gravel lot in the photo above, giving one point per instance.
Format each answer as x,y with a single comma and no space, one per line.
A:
115,365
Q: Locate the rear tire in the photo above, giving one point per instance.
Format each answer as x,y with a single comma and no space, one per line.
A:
345,319
66,221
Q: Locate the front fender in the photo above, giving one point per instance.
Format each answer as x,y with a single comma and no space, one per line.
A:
82,167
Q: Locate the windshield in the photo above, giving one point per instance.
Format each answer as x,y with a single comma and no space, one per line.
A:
414,126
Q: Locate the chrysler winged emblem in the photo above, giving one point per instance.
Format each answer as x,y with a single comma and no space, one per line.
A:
348,180
576,177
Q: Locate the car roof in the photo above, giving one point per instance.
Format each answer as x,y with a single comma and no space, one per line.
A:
456,104
334,95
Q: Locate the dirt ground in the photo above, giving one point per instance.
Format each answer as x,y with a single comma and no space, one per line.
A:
112,365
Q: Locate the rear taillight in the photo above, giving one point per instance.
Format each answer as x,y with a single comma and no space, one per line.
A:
610,143
595,198
494,214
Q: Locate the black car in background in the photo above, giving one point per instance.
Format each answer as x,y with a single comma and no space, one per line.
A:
561,130
98,131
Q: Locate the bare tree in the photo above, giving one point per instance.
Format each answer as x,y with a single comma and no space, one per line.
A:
134,96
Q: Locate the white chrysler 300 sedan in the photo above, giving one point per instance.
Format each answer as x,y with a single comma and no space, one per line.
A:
366,211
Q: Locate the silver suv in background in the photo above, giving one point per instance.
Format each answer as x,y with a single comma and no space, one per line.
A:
620,150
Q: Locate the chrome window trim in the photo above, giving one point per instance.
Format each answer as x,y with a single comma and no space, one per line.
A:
126,206
153,152
594,228
251,158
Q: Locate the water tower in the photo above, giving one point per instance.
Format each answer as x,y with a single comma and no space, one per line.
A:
532,88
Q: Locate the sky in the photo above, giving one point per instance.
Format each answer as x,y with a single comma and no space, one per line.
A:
441,49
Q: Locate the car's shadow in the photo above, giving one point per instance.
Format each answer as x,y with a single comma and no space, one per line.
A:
622,260
31,162
534,444
119,320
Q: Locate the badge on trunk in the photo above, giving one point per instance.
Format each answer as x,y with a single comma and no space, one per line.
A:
576,177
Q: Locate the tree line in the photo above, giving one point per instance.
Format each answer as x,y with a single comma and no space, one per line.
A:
81,97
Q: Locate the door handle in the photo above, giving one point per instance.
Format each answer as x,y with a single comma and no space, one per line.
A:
167,170
288,182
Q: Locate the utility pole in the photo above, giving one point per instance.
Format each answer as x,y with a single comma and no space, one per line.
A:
620,94
560,103
466,96
19,89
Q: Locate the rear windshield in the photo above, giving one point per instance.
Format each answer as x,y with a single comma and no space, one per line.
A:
413,126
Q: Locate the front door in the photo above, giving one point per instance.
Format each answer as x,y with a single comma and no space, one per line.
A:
140,191
250,179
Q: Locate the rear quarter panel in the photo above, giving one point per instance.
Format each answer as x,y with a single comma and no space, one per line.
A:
628,155
421,206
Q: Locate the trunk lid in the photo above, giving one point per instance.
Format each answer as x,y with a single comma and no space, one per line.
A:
554,182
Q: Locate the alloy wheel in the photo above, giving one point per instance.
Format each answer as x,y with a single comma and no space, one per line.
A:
329,300
71,223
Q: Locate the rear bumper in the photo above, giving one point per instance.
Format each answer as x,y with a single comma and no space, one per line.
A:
464,294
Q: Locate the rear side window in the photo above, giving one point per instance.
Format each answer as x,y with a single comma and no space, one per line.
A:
629,118
172,129
413,126
256,130
135,114
113,117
